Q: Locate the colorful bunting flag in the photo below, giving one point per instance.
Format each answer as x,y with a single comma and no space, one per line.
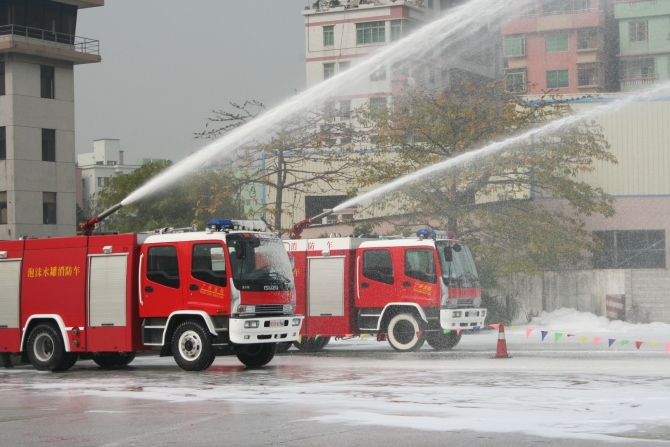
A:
625,342
583,339
299,339
557,335
418,334
571,335
528,331
653,344
495,326
513,327
458,331
596,340
363,336
316,337
544,334
667,347
475,329
612,340
638,344
446,331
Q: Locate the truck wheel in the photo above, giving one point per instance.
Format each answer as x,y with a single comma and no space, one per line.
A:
126,358
69,360
441,341
107,360
402,333
192,346
283,347
46,349
258,354
312,344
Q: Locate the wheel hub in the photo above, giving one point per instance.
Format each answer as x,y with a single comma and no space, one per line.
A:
190,345
44,347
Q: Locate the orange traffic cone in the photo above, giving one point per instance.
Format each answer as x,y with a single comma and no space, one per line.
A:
501,351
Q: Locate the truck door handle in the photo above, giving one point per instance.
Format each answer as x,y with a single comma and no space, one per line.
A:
148,289
407,284
193,287
365,285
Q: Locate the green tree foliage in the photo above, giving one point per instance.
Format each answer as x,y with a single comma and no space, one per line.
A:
205,196
489,202
309,153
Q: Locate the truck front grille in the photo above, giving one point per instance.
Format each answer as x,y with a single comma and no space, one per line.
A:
269,308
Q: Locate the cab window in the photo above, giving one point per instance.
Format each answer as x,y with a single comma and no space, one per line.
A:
162,266
208,264
420,265
377,266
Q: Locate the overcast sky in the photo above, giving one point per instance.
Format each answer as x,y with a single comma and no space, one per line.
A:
166,64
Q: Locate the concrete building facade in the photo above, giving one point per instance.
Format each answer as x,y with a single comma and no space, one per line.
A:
567,46
644,41
38,51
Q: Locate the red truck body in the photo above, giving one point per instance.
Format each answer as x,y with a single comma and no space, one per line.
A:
405,290
106,297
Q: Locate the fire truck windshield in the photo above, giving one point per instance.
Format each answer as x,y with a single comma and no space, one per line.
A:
259,263
460,270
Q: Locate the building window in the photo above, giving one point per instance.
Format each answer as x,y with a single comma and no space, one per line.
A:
49,208
370,32
377,104
587,74
581,6
379,74
3,207
396,30
430,4
516,80
328,35
444,4
331,219
377,266
345,109
641,68
3,143
642,249
528,10
328,71
555,43
344,66
558,79
48,145
553,7
515,45
2,78
47,81
587,38
329,109
637,31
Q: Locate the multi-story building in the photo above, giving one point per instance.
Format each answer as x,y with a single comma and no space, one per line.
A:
566,46
94,169
644,42
38,51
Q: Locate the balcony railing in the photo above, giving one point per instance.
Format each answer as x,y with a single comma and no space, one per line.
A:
74,43
647,80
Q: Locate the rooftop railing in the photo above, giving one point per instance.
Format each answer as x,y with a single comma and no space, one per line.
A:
74,43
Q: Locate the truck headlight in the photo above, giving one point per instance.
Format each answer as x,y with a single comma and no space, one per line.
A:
245,309
288,308
456,314
251,324
295,322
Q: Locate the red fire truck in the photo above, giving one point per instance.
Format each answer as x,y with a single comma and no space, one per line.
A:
192,295
405,290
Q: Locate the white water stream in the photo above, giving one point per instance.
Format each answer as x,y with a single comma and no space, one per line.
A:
455,29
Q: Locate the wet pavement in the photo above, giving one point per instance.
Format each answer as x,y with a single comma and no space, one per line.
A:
353,393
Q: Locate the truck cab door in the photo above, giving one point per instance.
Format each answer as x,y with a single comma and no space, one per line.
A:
376,284
160,281
207,280
419,277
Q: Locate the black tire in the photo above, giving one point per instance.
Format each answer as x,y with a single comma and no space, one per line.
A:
45,347
312,344
443,342
192,346
402,333
107,360
126,359
283,347
69,360
258,355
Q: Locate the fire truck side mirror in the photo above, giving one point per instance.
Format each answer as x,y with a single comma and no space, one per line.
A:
448,255
457,248
240,250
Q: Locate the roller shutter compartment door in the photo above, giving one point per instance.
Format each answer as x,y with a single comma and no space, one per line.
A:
107,290
10,279
326,287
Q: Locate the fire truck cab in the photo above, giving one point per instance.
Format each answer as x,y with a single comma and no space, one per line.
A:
228,290
406,290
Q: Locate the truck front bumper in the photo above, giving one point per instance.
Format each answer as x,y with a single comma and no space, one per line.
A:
248,330
464,319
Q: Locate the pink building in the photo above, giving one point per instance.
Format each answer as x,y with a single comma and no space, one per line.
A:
566,46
